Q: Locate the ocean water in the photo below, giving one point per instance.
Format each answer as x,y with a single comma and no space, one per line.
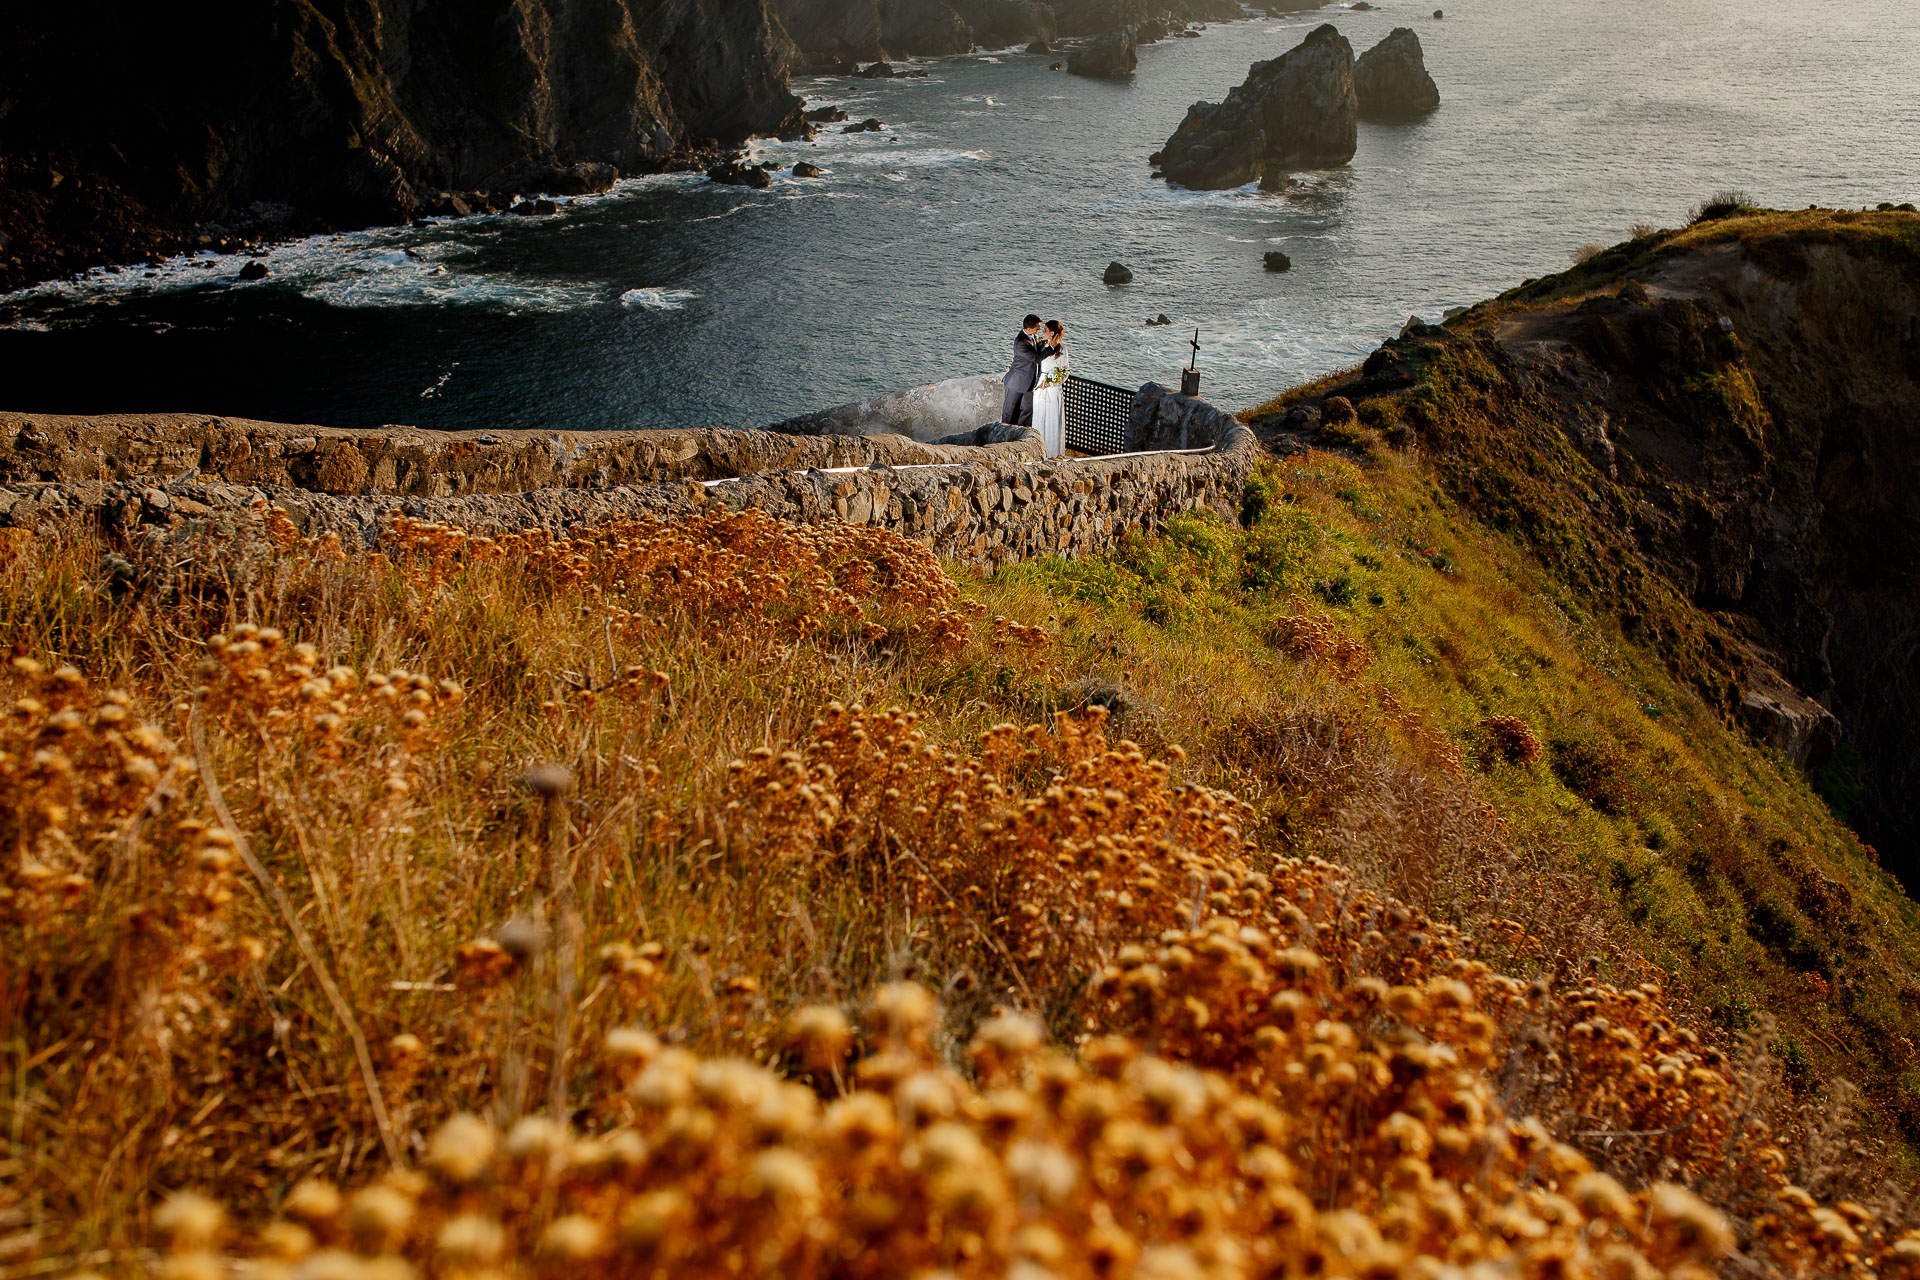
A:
1000,187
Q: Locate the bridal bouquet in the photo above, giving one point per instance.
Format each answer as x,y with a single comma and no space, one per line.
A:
1055,378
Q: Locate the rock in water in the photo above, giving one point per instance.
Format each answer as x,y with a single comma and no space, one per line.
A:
1390,80
865,126
878,71
1278,261
1297,111
825,115
805,170
254,270
1116,274
735,174
1039,46
1113,54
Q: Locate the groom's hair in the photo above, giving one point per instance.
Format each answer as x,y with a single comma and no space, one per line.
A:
1029,322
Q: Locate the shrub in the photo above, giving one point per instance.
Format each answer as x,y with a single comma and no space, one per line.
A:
1276,551
1583,254
1731,203
1512,739
1592,766
1264,494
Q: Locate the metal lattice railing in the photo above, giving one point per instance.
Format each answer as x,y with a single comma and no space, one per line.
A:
1097,415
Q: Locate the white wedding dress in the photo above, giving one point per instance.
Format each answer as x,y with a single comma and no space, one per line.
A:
1050,408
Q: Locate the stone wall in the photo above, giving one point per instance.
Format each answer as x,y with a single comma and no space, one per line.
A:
1003,505
919,413
432,464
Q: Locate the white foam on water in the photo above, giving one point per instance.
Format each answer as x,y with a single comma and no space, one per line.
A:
715,217
658,299
1230,198
380,267
433,391
912,158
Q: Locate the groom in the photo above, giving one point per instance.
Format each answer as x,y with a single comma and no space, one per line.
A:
1017,405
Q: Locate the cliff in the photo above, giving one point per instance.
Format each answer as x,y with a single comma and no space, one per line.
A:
1709,436
125,133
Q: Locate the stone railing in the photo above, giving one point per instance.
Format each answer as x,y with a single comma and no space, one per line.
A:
978,505
435,464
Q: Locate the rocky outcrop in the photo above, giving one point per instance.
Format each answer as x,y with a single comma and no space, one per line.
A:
1097,17
1713,437
312,113
1114,54
1295,111
1390,80
1163,419
930,413
1000,24
832,32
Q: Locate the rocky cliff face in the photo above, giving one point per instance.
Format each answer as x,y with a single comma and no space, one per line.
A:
124,127
1390,80
1295,111
833,33
1713,436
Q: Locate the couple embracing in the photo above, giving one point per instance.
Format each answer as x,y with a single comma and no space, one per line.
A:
1036,382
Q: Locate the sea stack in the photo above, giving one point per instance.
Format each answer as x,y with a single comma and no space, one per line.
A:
1391,80
1297,111
1113,54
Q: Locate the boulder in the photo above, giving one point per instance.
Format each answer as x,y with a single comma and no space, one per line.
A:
826,115
736,174
878,71
1113,54
547,208
1156,321
1293,112
1116,274
1278,261
1039,46
254,270
865,126
1784,718
805,170
1390,81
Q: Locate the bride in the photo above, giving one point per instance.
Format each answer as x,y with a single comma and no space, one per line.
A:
1049,395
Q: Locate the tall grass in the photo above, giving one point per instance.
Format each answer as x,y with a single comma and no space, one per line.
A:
728,896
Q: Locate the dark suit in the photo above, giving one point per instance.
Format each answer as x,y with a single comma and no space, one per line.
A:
1017,405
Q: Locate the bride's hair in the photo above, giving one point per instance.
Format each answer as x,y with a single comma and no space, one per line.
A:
1058,331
